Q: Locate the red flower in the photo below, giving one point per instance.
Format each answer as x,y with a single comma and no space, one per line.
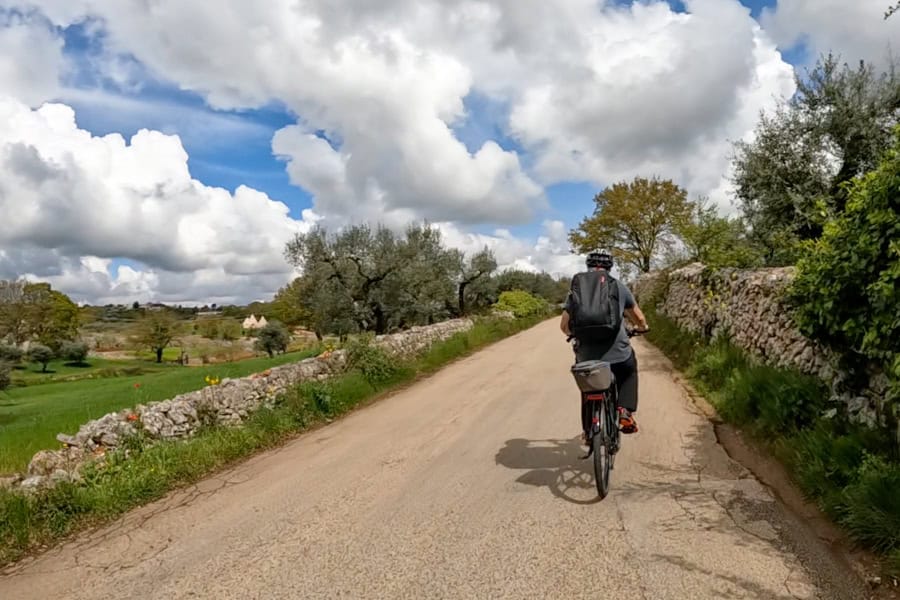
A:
137,385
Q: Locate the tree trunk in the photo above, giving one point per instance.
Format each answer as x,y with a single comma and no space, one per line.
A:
159,352
462,298
380,321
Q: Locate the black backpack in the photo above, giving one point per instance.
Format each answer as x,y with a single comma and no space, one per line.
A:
594,307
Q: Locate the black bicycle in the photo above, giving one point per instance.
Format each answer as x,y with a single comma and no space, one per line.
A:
599,396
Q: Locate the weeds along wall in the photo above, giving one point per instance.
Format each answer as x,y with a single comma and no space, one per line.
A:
228,402
748,307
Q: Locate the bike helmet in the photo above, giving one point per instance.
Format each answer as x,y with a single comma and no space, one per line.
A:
599,259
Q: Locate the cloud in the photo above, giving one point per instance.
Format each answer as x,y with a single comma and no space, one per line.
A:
597,91
548,253
855,30
661,93
582,90
37,78
65,194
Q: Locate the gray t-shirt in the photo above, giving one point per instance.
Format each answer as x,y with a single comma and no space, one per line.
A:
620,349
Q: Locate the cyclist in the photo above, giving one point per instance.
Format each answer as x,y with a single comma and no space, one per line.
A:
616,350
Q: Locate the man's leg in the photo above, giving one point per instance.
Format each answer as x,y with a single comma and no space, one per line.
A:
584,353
627,380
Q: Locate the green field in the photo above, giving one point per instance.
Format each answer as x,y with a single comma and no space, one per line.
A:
31,416
57,371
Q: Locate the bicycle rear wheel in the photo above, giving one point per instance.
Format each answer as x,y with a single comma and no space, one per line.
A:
600,443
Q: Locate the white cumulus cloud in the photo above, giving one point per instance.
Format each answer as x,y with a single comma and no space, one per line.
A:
855,30
65,194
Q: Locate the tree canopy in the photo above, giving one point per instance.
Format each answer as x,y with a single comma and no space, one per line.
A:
156,330
35,311
636,220
792,177
373,279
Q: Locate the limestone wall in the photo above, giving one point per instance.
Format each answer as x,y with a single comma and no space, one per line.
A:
227,403
748,307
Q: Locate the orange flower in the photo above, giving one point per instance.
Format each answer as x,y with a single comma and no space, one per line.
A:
132,417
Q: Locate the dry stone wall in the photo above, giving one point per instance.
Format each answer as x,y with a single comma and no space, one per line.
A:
229,402
748,307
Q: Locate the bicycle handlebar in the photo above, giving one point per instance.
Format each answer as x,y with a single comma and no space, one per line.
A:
631,333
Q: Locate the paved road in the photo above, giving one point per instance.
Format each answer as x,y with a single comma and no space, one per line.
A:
467,485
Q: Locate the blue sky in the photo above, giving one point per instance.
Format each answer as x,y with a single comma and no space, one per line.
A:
248,159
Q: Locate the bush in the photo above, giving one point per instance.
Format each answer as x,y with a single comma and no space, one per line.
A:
10,354
845,292
272,338
374,363
871,505
41,355
75,352
522,304
5,375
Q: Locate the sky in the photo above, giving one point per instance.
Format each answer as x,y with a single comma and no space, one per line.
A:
166,151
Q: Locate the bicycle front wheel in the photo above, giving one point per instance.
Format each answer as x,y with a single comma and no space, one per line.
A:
601,454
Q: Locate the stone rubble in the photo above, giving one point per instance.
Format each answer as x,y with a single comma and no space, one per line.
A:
229,402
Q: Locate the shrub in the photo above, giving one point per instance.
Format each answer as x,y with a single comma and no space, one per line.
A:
871,505
10,354
5,375
41,355
845,292
522,304
272,338
75,352
374,363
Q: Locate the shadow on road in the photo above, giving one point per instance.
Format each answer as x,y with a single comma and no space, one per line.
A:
554,464
730,586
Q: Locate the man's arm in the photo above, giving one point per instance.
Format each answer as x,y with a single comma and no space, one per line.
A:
635,315
633,311
564,323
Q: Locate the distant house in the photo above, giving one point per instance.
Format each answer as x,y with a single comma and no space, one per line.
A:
252,323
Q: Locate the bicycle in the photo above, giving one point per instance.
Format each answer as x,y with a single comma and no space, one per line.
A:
598,388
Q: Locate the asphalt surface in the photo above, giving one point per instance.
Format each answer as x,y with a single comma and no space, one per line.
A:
466,485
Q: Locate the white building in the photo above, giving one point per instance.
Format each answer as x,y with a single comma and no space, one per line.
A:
252,323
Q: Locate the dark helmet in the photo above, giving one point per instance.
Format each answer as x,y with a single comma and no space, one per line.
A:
599,259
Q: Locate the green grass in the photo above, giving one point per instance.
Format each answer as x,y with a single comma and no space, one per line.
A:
30,417
171,354
151,471
60,370
852,472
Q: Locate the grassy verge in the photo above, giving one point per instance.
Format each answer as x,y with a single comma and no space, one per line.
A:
31,416
853,473
27,523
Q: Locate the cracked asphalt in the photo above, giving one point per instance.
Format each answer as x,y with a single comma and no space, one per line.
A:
466,485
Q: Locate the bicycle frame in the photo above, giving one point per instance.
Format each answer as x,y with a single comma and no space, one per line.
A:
604,432
604,400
